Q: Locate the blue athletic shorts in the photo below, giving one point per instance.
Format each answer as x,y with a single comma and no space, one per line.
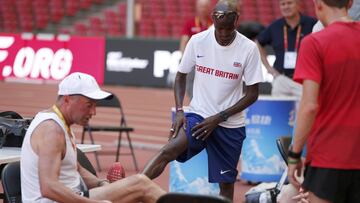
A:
223,147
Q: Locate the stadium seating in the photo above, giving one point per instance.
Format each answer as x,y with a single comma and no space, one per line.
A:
154,18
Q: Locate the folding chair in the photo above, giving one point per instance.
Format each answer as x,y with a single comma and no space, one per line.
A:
114,103
252,195
84,162
191,198
283,144
11,182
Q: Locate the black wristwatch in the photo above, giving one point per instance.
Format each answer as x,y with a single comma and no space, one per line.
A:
292,154
223,115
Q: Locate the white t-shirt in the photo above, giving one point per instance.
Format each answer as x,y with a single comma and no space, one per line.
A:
30,184
219,72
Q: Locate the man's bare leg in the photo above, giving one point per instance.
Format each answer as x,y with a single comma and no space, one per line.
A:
227,190
168,153
133,189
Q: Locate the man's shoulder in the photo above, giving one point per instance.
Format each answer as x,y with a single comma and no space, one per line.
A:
198,37
46,132
277,23
46,119
49,124
44,116
322,38
332,32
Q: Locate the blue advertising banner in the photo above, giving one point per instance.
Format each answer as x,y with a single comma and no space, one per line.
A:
266,120
191,176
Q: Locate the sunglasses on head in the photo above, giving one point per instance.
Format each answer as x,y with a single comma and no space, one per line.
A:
222,14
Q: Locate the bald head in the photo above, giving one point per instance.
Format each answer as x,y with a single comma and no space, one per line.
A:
203,8
226,6
202,2
225,11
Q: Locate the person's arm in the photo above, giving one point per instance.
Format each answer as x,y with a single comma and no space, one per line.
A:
204,129
50,147
179,93
183,41
263,55
90,179
186,65
304,122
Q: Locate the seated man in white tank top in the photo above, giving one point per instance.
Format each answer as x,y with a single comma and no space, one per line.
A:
50,171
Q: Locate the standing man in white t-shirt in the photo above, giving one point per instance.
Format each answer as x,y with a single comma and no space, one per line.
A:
223,59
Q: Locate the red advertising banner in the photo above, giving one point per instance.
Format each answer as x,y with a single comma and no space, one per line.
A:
27,57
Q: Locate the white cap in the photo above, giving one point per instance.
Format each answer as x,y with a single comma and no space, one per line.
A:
83,84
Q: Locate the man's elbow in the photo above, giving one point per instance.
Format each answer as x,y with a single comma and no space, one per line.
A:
46,190
180,77
253,94
311,108
254,97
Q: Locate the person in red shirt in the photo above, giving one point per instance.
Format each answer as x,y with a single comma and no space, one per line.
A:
329,112
198,23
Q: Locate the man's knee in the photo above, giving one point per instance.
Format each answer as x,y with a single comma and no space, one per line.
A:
169,153
144,182
143,179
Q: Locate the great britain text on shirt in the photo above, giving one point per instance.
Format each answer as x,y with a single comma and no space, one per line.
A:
217,73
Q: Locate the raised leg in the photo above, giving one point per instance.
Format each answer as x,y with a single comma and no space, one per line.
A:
168,153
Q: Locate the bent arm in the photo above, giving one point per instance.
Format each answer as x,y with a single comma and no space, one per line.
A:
179,89
263,55
90,179
306,114
304,122
251,95
51,149
203,130
183,41
179,93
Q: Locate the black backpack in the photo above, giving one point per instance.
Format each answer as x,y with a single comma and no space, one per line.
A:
12,129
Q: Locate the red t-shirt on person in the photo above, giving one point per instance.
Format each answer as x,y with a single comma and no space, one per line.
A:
331,58
193,26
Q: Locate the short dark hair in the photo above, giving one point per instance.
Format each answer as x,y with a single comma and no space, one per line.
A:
225,11
337,3
225,17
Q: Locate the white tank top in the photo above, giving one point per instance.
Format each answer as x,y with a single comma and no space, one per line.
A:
69,175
